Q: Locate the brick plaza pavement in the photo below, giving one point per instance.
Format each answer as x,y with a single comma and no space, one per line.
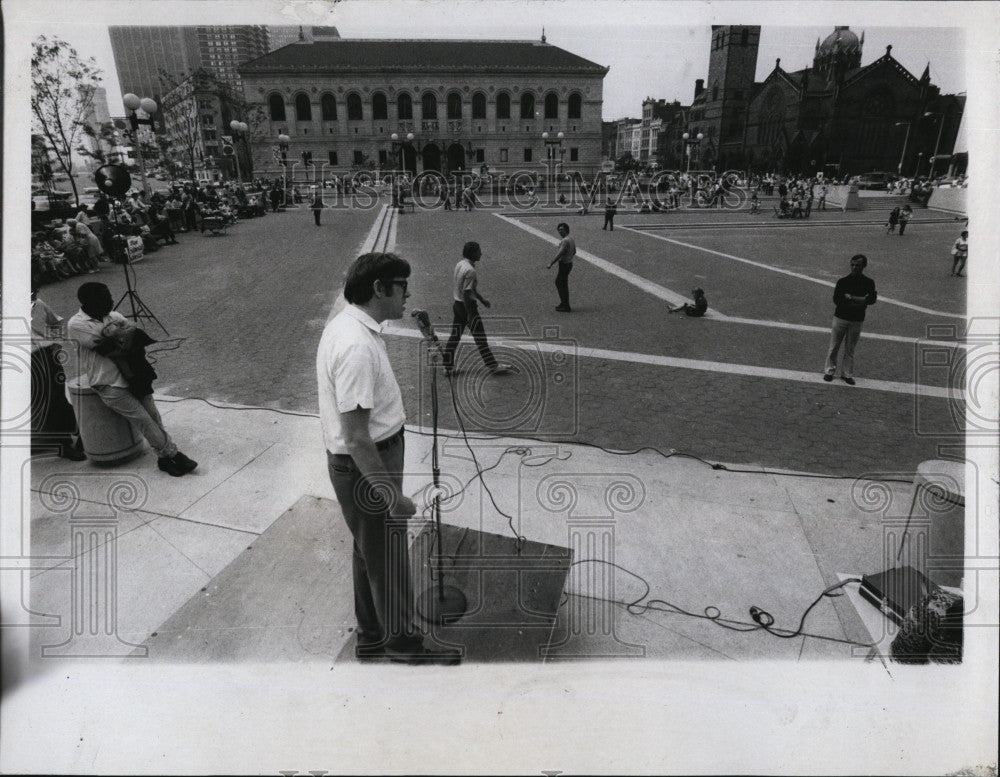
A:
251,306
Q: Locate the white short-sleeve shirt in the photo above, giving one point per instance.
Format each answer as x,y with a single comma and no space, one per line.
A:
465,279
352,371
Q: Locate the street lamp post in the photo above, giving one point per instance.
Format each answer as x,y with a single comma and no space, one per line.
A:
133,103
688,143
552,145
239,129
937,144
906,140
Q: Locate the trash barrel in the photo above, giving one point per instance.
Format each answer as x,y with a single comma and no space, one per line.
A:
940,490
108,438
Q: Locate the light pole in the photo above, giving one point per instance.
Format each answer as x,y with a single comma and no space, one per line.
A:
906,140
239,129
397,152
937,144
688,143
133,103
551,146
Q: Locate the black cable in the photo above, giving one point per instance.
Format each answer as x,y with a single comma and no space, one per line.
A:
612,451
764,621
521,540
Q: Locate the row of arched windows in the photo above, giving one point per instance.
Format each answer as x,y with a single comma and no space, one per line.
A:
428,106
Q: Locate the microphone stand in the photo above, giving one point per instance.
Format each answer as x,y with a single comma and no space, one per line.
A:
447,603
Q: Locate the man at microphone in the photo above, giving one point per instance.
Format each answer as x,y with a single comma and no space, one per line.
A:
466,311
361,411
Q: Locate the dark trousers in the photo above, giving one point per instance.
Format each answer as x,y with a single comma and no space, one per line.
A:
316,214
461,320
562,282
53,421
902,227
383,593
609,220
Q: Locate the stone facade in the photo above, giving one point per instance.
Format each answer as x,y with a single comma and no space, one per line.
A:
343,116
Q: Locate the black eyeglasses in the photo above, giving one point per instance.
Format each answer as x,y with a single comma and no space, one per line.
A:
404,285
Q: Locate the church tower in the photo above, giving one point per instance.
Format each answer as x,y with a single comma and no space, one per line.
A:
732,65
839,53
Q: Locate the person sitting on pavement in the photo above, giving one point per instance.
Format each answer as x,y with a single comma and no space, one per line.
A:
694,309
87,327
159,226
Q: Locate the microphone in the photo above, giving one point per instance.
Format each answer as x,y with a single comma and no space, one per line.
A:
424,324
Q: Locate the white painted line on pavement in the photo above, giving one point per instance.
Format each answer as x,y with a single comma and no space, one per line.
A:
629,277
675,299
801,276
656,360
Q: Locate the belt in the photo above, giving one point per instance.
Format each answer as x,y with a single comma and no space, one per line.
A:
388,442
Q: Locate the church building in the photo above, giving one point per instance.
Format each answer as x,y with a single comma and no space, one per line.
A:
838,116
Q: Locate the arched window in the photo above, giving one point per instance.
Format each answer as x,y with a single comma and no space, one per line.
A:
527,105
551,106
404,107
380,108
454,106
354,112
503,105
303,110
575,105
479,106
428,106
276,106
328,107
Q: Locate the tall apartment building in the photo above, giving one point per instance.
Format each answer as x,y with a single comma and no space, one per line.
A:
143,54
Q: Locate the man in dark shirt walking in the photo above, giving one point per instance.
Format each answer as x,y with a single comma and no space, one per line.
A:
852,295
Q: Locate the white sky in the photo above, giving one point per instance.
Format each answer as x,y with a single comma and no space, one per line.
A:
654,48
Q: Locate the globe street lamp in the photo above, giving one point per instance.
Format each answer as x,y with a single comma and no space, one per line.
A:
239,129
688,143
552,145
148,105
281,151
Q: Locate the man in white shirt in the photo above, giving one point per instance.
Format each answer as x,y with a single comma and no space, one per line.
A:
465,293
361,411
107,381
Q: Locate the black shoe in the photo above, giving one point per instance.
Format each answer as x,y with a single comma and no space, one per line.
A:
848,381
72,452
188,465
564,308
171,466
828,377
423,655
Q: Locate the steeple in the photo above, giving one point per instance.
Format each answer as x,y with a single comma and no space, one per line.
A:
926,77
543,35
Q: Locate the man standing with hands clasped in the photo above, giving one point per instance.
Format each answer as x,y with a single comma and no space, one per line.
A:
567,251
361,413
852,295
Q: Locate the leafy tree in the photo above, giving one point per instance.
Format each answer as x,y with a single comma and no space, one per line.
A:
180,112
62,92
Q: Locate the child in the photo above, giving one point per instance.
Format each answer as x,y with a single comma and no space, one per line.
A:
754,202
695,310
893,221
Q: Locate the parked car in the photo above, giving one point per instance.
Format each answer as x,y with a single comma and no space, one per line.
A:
876,180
